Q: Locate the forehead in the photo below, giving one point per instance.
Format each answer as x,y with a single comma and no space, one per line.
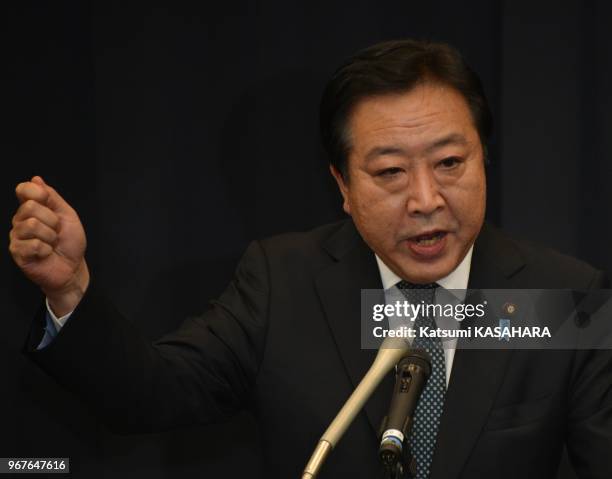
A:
416,118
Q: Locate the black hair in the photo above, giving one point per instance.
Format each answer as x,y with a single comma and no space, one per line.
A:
395,67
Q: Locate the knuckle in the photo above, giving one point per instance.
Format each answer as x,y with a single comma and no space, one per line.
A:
44,194
29,206
31,224
26,207
36,245
55,220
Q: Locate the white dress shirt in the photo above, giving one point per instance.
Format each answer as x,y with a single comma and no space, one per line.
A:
58,322
455,283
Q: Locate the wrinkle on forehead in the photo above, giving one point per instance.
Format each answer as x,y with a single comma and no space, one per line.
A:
403,123
428,108
412,108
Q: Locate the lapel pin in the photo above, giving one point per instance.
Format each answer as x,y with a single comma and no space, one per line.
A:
509,308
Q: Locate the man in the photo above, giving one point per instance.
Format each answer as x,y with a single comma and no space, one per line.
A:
406,125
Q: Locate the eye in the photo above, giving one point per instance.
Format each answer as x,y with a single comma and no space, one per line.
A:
450,162
389,172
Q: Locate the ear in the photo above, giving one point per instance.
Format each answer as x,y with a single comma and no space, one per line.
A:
342,185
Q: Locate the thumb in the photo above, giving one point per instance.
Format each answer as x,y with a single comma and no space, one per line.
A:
54,201
38,180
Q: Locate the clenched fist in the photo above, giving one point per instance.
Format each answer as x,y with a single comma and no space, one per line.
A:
48,243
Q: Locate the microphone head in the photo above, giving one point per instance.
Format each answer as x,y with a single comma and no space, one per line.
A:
418,357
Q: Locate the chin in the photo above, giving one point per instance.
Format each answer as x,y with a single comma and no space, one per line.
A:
427,278
428,272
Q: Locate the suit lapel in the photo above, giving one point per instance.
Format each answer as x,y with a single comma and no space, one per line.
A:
339,288
476,374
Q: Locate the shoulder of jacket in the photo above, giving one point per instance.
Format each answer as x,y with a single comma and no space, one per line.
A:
307,241
570,271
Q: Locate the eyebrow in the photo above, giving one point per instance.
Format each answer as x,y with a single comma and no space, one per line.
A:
452,139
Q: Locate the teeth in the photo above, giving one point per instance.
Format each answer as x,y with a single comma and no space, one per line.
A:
430,240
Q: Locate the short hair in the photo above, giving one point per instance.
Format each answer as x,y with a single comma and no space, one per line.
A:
395,67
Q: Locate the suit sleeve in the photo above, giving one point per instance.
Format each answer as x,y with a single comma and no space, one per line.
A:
589,432
202,372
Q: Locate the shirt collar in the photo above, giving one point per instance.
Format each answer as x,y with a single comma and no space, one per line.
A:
457,279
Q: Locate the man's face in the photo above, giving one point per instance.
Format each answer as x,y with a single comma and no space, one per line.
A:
416,182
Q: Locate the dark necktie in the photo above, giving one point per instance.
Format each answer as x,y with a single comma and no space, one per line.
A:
429,408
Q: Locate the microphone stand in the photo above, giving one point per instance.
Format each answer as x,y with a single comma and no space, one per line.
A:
389,353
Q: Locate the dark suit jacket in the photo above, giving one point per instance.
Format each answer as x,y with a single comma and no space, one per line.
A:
284,340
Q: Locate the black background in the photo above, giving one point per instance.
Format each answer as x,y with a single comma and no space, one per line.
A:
181,131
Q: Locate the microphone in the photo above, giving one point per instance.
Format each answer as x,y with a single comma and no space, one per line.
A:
389,353
412,374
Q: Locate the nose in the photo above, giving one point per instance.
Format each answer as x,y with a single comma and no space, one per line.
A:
424,198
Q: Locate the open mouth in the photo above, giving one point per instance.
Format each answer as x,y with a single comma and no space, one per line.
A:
428,239
429,245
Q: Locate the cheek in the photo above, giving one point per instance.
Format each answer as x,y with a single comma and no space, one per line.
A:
467,202
377,214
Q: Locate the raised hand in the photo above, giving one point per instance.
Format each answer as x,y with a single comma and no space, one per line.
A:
47,241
